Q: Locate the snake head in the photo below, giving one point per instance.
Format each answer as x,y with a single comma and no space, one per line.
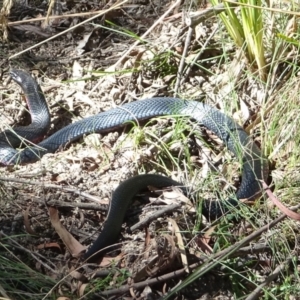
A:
20,77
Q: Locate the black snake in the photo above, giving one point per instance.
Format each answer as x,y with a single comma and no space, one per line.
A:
254,165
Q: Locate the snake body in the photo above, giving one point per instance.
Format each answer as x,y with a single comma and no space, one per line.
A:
254,165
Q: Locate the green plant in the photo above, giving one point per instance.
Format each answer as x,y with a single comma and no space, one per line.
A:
247,31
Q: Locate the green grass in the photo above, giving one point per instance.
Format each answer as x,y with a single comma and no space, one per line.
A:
19,281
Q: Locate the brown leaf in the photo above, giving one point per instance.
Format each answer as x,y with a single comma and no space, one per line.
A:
82,289
107,261
74,247
180,243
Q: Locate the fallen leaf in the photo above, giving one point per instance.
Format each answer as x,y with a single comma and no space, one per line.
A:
74,247
107,261
176,231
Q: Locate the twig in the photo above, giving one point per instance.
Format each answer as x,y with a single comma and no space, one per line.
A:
252,249
182,61
190,65
154,216
257,292
196,18
192,21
